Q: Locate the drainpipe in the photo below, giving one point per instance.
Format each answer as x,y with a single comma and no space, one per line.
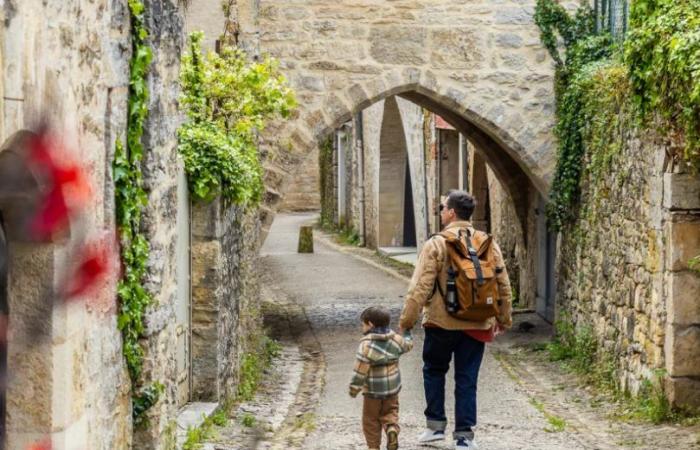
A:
359,141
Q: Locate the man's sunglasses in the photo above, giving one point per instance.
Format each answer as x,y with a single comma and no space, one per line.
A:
442,206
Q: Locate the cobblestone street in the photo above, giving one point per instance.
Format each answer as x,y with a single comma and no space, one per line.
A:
333,288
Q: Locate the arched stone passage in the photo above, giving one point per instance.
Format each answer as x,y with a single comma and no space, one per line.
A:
511,154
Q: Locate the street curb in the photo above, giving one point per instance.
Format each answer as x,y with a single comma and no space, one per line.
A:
324,239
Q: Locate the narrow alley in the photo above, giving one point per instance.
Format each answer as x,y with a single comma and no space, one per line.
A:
333,288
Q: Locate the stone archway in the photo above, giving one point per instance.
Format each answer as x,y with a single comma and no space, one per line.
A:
522,176
26,283
521,161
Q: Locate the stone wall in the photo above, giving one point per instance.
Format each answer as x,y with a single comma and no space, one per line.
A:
72,385
506,229
624,269
302,192
224,295
341,58
371,138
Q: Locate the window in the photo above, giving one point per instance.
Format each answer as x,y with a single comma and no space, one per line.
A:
612,16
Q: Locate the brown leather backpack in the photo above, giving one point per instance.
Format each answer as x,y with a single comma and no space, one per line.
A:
471,276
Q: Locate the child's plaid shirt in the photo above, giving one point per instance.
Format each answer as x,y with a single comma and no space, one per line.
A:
377,364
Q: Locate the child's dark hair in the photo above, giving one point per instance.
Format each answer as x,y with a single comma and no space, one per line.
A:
377,315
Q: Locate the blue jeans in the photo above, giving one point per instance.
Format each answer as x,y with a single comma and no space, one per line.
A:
438,348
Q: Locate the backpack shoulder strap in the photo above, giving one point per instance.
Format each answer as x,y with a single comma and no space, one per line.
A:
473,255
436,285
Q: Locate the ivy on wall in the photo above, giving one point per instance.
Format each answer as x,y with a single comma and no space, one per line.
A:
603,91
130,199
228,101
325,164
662,53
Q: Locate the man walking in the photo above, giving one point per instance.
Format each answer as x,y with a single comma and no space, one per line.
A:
445,335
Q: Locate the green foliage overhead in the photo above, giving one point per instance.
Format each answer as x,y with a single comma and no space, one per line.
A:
228,100
662,52
581,47
130,199
599,90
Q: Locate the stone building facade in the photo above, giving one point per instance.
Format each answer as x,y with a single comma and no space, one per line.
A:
624,269
67,63
480,66
477,64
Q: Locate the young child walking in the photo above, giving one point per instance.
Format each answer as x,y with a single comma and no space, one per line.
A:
377,376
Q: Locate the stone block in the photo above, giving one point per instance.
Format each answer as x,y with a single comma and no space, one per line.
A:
681,191
683,351
683,391
206,221
509,40
456,49
683,298
683,241
310,83
399,45
513,16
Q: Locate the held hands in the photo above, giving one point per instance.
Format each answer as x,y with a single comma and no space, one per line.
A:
498,329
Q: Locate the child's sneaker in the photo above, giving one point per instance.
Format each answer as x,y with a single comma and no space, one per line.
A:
464,443
392,438
431,436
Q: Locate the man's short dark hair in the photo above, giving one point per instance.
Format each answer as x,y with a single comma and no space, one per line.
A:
377,315
462,203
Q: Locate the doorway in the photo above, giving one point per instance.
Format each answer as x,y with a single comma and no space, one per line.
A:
409,218
546,254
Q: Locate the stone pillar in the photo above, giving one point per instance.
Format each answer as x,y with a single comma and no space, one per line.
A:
412,119
479,188
206,281
392,167
682,288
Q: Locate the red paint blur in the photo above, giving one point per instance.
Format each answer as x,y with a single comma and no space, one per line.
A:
41,445
66,187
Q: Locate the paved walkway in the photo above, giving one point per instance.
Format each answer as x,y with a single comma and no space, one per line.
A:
334,288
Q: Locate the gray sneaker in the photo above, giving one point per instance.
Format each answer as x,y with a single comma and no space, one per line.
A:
464,443
431,436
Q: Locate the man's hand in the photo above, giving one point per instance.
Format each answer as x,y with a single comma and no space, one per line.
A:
352,392
498,329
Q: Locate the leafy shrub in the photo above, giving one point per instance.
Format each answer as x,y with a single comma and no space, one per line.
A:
228,101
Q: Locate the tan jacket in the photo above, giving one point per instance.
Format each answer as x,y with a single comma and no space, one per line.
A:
431,263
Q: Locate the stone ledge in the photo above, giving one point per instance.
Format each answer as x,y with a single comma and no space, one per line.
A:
683,242
681,191
682,350
683,298
683,391
192,416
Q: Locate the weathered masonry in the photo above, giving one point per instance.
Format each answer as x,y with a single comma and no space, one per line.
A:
480,66
67,63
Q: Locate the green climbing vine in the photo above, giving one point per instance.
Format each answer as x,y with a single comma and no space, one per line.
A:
325,163
228,101
604,88
662,52
130,199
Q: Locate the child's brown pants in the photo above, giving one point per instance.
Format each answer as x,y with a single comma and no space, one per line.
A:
378,413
